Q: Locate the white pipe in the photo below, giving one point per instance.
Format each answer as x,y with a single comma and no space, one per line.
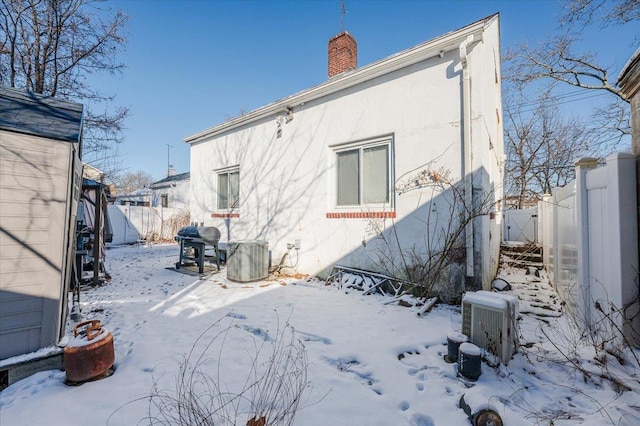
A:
468,156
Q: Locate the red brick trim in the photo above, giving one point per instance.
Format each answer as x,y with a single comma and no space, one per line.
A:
361,215
225,215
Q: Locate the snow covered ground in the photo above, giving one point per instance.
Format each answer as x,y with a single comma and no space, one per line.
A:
369,362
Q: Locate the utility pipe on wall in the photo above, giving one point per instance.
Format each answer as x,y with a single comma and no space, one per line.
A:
468,156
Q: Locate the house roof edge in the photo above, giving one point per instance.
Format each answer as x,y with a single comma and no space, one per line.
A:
172,178
402,59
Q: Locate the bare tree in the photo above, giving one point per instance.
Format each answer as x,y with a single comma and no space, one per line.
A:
433,266
541,147
558,59
50,47
128,182
606,12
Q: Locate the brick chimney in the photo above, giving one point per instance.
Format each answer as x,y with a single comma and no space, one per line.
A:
343,53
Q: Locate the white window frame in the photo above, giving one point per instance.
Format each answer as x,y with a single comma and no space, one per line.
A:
362,145
226,171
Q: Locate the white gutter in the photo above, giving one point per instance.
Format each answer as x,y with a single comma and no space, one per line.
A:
429,49
468,155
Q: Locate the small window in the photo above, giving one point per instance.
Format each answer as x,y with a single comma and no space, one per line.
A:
164,200
229,190
364,175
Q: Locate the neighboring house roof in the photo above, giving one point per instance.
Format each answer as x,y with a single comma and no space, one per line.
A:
629,78
38,115
428,49
138,193
169,179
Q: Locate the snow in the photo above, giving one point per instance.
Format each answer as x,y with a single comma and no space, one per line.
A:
485,300
470,349
82,340
457,337
368,361
42,353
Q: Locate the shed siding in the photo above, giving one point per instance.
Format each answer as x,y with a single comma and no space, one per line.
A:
34,223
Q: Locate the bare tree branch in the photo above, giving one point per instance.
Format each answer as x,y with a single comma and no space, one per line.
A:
51,46
542,147
556,60
604,12
129,182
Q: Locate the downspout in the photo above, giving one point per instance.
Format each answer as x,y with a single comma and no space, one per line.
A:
468,157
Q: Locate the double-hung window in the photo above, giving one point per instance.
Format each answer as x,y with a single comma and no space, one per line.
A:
364,173
229,189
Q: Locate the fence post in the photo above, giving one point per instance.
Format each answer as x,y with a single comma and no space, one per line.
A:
545,225
582,238
555,237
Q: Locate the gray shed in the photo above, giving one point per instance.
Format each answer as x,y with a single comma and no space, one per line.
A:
40,178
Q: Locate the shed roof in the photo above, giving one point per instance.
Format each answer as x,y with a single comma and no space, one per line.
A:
629,78
38,115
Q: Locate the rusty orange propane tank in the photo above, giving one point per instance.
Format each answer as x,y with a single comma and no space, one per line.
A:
89,354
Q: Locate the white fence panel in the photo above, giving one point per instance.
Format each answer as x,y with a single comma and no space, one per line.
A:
134,223
566,258
521,225
599,240
593,252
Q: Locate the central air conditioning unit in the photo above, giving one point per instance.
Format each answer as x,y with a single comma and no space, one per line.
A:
247,260
490,321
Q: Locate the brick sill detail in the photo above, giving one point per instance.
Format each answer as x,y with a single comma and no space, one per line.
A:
361,215
225,215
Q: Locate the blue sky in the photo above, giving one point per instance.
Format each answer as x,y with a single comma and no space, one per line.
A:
193,64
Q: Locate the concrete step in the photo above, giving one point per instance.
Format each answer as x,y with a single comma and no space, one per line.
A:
520,247
522,263
535,257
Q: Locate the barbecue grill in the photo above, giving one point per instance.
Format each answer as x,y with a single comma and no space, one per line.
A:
193,241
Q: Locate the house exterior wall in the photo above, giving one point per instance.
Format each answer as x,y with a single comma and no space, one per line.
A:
488,150
177,193
37,208
287,165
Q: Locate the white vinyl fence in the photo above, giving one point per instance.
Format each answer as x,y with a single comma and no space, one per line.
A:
131,224
590,242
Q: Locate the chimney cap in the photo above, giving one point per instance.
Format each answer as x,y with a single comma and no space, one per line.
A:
343,33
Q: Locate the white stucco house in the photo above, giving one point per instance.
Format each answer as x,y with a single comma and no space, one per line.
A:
172,191
336,174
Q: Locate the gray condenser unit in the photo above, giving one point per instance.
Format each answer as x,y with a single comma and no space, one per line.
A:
490,321
247,260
